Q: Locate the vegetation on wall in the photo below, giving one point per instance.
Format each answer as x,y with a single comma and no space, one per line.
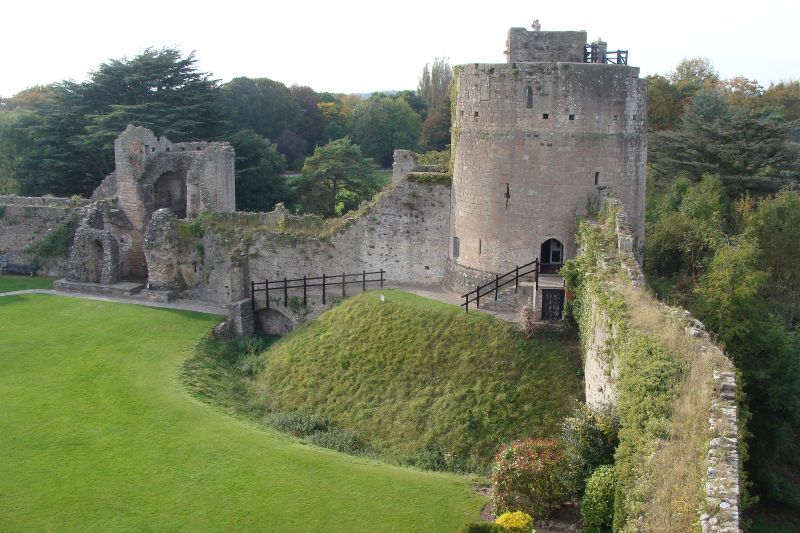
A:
56,243
664,388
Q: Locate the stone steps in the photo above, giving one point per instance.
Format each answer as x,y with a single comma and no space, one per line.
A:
122,288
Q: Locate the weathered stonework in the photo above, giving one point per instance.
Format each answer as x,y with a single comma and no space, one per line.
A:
404,233
94,257
25,221
534,141
161,251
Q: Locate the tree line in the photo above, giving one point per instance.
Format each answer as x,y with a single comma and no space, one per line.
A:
58,139
723,239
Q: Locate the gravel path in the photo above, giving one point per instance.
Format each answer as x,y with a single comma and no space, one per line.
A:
433,292
186,305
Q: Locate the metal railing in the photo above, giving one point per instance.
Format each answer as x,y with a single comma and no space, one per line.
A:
326,282
500,281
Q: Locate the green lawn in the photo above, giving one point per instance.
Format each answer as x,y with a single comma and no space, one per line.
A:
97,433
11,282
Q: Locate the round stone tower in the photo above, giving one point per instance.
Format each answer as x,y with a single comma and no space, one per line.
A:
534,141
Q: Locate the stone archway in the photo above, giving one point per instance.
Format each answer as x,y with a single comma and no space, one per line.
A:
94,261
273,322
169,191
551,255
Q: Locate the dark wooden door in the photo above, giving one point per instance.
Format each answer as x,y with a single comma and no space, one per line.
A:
552,304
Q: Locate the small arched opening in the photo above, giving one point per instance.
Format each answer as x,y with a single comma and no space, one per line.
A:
551,254
273,322
94,262
169,192
529,97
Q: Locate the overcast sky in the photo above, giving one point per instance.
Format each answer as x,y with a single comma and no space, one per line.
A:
364,46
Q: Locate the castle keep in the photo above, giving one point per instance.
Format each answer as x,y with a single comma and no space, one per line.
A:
533,141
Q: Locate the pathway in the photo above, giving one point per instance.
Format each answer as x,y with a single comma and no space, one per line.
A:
185,305
433,292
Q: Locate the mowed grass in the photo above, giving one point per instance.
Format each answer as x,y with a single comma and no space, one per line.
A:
97,433
11,282
411,373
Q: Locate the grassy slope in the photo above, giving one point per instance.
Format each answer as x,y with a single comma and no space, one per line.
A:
412,371
96,433
12,282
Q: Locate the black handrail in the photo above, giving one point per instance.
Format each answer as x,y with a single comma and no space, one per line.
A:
499,282
325,281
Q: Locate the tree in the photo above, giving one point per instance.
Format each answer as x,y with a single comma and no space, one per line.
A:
259,184
664,104
436,128
730,300
158,89
70,128
262,105
310,123
737,142
335,171
382,124
434,84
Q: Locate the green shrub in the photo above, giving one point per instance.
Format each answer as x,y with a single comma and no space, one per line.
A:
518,522
299,423
597,507
527,475
56,243
339,439
589,437
483,527
431,457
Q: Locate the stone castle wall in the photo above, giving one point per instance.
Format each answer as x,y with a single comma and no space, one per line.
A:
535,142
601,373
25,221
404,232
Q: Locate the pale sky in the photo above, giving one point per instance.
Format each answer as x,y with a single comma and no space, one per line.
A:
362,46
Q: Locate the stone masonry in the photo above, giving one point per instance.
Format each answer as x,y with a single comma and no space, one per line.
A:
534,140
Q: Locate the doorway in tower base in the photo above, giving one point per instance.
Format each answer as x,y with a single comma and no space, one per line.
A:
551,255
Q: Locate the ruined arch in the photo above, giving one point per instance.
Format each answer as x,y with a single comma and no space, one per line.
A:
169,191
273,322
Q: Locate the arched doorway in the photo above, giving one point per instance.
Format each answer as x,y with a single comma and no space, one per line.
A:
169,192
551,254
94,262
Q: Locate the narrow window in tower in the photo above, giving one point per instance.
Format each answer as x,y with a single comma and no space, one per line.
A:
572,117
507,196
545,116
456,246
529,97
596,178
476,114
480,247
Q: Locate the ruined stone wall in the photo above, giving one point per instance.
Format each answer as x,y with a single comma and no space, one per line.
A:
536,46
27,220
404,233
583,131
202,175
601,338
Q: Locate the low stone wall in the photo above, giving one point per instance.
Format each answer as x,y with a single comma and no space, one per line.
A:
25,221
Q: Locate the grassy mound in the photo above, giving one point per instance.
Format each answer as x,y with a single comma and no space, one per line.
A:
421,380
